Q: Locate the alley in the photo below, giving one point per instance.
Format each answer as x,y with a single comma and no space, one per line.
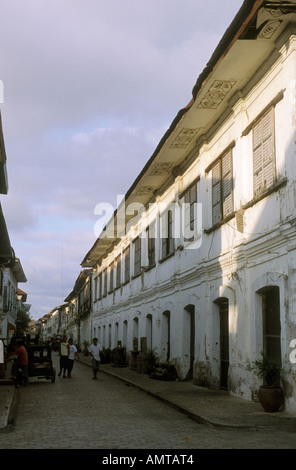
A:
81,413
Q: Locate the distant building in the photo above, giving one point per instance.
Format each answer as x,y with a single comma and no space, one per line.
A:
80,309
50,325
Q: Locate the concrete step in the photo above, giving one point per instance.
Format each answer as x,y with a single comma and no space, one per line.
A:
6,381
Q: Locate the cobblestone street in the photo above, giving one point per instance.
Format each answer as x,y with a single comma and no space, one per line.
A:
81,413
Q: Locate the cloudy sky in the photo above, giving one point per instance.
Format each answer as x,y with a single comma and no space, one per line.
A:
90,87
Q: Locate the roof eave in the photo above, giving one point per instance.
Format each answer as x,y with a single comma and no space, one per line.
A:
234,31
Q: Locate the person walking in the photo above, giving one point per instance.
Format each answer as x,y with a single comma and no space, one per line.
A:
95,350
64,354
21,362
72,354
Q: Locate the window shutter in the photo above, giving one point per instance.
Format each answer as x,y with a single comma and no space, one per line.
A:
137,253
170,232
105,281
111,277
127,264
96,288
257,157
268,152
257,162
216,192
193,200
263,153
151,244
190,199
100,286
227,184
5,299
118,271
164,234
186,216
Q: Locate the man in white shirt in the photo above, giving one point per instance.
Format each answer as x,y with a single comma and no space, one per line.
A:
64,354
94,350
72,353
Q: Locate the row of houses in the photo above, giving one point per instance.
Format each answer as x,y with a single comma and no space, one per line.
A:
199,257
12,298
72,318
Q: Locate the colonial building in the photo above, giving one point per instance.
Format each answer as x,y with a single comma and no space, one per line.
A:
11,271
12,301
50,325
79,303
200,256
6,253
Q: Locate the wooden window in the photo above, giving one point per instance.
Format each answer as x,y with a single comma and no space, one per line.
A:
127,264
222,198
5,299
111,278
167,233
118,271
96,288
151,244
271,319
137,256
190,199
100,291
1,282
263,153
224,343
105,282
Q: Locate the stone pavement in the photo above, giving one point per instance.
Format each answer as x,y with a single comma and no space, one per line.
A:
212,407
6,399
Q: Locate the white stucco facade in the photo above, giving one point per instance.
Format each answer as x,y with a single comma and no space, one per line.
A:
10,303
240,266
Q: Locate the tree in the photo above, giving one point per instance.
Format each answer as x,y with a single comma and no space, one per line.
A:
23,319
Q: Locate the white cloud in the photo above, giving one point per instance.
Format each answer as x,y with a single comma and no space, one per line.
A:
90,89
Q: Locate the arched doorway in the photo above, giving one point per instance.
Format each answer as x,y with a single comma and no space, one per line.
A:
165,336
136,333
124,334
223,338
189,337
271,324
149,331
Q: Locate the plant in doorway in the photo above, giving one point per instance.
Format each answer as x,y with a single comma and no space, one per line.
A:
152,360
85,348
270,393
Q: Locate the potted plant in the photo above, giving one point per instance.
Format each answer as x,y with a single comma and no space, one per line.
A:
118,357
270,393
152,360
106,356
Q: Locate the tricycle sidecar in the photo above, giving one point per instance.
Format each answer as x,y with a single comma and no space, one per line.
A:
40,362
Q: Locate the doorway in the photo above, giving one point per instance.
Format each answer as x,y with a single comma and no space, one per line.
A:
224,343
271,325
166,335
149,331
189,337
